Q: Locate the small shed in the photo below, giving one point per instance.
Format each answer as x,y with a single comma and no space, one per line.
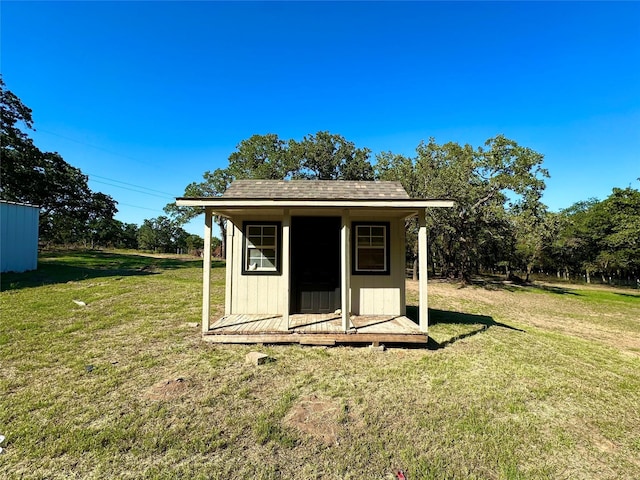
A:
18,236
314,261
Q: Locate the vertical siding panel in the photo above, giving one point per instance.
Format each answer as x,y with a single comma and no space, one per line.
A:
19,237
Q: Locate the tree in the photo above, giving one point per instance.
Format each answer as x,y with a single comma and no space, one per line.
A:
67,204
531,237
162,235
476,231
323,156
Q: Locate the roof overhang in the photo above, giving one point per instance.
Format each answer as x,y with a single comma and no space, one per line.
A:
233,206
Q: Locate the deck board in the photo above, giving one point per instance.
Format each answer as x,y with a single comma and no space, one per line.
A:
321,329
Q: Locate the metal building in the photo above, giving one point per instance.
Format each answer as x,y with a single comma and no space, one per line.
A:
18,237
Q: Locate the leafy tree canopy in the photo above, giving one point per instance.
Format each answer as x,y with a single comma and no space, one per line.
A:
68,206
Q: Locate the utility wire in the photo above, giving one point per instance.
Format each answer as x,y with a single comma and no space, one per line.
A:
134,190
96,147
141,208
131,184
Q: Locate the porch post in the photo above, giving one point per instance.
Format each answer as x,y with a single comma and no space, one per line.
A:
286,273
345,271
423,305
206,271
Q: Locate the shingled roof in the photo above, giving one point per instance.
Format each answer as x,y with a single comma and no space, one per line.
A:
315,190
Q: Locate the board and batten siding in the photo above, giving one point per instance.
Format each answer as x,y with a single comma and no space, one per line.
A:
383,294
18,237
253,294
370,294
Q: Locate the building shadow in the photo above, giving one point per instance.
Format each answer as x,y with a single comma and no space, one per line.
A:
481,323
497,283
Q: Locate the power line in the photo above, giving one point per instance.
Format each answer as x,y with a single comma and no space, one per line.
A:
141,208
95,146
131,184
133,190
111,153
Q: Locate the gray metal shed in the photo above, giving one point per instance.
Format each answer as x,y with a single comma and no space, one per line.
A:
18,237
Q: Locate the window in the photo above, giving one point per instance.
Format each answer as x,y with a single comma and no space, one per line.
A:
371,248
261,254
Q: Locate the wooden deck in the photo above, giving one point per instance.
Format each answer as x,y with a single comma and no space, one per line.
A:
317,329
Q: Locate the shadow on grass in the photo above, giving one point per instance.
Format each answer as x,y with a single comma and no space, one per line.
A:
481,322
495,283
73,266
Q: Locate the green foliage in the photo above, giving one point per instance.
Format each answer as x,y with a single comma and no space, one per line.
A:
476,234
69,211
323,156
162,235
599,236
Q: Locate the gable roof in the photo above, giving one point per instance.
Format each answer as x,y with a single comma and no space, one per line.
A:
315,190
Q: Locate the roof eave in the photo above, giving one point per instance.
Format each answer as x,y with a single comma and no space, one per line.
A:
230,203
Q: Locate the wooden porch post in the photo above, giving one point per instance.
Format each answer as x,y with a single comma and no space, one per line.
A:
286,273
206,271
423,305
345,271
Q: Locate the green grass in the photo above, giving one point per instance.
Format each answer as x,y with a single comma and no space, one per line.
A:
517,383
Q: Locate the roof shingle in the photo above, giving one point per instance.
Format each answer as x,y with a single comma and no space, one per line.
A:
315,190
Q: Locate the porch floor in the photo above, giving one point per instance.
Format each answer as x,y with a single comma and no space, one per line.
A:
314,329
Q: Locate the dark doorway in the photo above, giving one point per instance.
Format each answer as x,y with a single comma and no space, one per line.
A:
315,264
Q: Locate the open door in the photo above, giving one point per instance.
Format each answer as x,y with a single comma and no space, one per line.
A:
315,264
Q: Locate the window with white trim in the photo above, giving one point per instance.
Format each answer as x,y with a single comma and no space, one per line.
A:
262,248
371,248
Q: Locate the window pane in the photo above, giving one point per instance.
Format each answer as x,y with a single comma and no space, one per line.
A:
377,231
377,241
268,263
269,241
370,259
269,230
363,241
254,230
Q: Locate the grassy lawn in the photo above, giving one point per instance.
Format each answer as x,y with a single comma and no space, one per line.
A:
518,383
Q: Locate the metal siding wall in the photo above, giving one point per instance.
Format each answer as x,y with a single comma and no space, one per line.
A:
18,237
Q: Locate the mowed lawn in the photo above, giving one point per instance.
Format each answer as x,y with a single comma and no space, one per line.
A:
517,383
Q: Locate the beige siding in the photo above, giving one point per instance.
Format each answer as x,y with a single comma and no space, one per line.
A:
370,294
382,294
253,293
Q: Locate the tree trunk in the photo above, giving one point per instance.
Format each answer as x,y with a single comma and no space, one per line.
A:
223,233
415,268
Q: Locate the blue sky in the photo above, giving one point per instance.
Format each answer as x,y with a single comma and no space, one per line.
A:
149,95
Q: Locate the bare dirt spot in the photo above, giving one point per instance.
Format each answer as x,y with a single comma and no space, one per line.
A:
316,417
168,389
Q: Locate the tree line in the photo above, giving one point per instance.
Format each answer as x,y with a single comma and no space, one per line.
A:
499,224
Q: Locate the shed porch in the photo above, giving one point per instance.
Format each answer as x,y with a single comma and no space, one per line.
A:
314,329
